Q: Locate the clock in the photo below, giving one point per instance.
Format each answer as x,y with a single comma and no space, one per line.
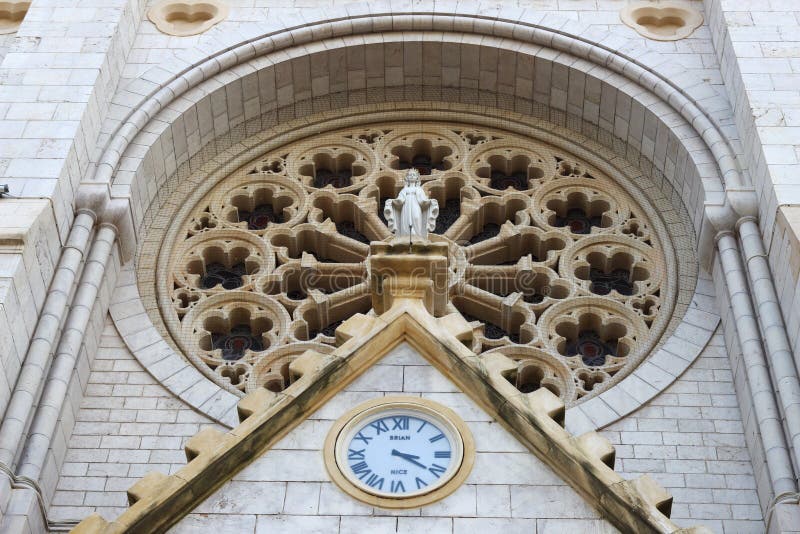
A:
399,452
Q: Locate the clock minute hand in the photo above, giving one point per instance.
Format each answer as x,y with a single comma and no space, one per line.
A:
408,457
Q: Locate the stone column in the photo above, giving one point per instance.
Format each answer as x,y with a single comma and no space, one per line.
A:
767,414
37,357
55,389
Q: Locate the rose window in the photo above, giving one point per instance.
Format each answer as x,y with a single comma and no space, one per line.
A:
554,263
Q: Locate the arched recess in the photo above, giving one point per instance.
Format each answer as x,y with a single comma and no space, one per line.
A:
529,66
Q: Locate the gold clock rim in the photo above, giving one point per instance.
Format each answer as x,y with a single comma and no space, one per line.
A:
458,477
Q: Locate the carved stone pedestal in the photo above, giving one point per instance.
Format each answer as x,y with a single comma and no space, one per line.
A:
408,269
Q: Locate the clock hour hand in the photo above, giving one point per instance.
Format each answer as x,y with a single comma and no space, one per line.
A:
408,457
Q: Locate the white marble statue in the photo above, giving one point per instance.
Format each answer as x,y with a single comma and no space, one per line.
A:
412,213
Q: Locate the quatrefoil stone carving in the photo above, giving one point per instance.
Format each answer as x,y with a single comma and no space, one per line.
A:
274,257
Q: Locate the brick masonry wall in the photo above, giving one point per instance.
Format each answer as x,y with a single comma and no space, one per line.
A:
690,439
59,73
61,70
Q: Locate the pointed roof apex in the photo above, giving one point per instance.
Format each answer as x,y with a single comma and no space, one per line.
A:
536,419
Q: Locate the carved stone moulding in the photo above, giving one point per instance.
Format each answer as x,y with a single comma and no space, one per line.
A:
186,17
11,15
530,368
273,373
661,21
558,265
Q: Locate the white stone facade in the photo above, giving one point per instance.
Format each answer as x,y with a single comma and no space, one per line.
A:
99,111
288,487
690,439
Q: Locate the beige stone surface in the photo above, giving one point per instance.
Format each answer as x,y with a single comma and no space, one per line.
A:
11,15
767,43
530,240
182,18
662,21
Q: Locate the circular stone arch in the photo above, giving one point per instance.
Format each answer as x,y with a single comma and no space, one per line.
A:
527,66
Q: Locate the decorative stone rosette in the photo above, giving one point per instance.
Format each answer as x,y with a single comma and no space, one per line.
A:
560,269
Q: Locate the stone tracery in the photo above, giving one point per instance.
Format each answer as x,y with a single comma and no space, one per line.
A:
555,265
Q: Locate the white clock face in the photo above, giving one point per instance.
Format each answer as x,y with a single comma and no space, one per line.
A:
397,452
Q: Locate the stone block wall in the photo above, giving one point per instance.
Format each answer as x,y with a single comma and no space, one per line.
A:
126,424
758,46
29,245
690,439
80,381
288,487
59,72
66,76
